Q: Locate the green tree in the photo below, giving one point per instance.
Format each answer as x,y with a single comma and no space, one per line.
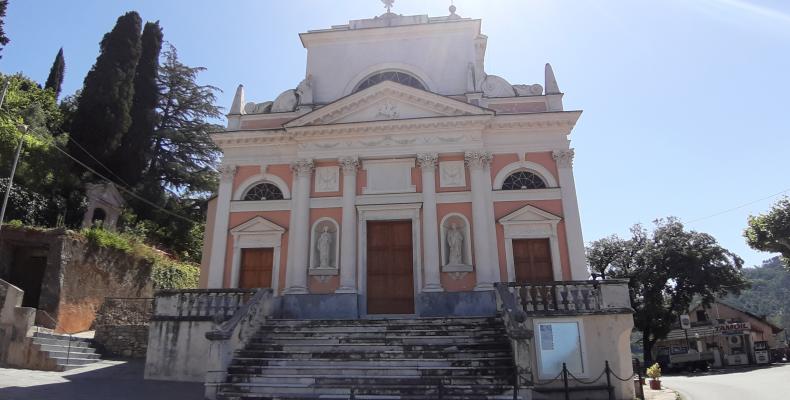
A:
771,231
768,294
130,159
41,171
56,73
102,116
3,38
668,268
602,253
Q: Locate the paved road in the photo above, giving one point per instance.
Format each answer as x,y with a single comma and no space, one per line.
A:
105,380
768,383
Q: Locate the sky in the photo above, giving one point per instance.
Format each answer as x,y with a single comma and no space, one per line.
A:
685,102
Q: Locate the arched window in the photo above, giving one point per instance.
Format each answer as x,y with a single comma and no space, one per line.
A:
395,76
523,180
264,191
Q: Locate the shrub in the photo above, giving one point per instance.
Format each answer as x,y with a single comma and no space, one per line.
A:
654,371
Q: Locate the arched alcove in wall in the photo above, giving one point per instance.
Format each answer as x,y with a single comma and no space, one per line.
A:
456,245
324,247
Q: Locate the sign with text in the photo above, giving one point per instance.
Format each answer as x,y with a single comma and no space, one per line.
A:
685,322
733,328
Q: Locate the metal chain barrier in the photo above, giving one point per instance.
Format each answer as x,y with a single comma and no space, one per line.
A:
587,384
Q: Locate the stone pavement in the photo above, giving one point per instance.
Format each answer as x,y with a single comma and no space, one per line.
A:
663,394
105,380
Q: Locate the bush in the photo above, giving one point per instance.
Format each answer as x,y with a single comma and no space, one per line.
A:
654,371
167,273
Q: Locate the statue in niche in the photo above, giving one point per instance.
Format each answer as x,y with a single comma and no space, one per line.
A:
455,243
324,245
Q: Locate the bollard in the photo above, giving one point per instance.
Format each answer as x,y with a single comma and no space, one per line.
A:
609,387
565,381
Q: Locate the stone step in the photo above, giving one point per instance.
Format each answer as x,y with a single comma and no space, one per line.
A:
74,361
363,380
59,342
44,335
481,362
473,321
371,355
382,340
71,355
367,370
72,349
286,396
373,389
448,346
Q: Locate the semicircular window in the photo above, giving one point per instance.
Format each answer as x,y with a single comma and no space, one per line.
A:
395,76
264,191
520,180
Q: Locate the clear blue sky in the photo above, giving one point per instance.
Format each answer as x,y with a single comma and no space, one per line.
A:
685,102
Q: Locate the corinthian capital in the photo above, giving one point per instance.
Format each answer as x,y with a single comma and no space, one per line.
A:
427,160
350,165
303,167
226,172
477,159
564,158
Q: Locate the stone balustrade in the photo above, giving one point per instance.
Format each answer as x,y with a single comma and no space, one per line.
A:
567,297
199,304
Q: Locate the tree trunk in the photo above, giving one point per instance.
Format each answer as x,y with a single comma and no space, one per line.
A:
647,350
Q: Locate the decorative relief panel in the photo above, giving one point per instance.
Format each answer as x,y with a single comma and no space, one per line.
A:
389,176
452,174
327,179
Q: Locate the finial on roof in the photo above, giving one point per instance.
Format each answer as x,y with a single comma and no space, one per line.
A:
388,4
452,8
551,81
238,102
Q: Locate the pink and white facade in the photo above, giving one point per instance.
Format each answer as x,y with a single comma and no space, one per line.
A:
396,120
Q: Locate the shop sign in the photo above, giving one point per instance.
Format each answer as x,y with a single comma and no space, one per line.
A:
733,328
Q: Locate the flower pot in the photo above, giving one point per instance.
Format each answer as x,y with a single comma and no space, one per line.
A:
655,384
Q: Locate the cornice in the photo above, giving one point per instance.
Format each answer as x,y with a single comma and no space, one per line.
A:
334,36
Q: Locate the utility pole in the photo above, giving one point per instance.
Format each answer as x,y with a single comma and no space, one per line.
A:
23,128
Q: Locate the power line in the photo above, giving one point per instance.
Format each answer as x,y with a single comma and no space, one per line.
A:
97,161
120,186
738,207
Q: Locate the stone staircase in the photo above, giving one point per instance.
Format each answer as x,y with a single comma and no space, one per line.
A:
463,358
58,355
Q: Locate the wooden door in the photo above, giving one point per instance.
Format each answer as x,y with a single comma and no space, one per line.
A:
532,260
390,273
256,268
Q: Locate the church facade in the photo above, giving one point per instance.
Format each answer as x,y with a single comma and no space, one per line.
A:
398,178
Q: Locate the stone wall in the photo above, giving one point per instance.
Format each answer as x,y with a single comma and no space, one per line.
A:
122,327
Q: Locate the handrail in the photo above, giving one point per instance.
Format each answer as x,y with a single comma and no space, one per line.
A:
55,324
225,329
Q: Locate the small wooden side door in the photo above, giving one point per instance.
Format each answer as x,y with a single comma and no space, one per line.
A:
390,273
532,260
256,268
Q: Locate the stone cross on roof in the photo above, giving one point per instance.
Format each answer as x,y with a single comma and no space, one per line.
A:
388,4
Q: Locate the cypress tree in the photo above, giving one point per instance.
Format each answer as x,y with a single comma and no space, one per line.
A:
132,155
3,38
56,73
102,116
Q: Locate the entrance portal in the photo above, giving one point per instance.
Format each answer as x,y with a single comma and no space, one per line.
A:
256,268
532,260
390,270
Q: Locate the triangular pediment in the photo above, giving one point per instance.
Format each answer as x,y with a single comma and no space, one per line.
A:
257,225
529,214
387,101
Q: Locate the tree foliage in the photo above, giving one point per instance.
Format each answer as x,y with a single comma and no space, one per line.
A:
102,116
768,294
56,74
666,269
136,145
3,38
41,172
771,231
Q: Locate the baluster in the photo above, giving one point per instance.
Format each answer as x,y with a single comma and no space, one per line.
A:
562,296
539,305
551,300
526,299
598,301
585,294
570,299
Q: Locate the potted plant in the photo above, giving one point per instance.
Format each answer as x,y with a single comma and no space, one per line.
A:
654,373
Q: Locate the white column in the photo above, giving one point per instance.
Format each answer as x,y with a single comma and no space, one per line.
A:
430,224
348,229
484,232
570,208
216,267
299,231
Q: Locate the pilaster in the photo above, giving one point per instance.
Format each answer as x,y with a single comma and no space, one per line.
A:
348,230
570,208
484,240
299,231
430,226
216,270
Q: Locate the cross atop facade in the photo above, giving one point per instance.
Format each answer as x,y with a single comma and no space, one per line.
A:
388,4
